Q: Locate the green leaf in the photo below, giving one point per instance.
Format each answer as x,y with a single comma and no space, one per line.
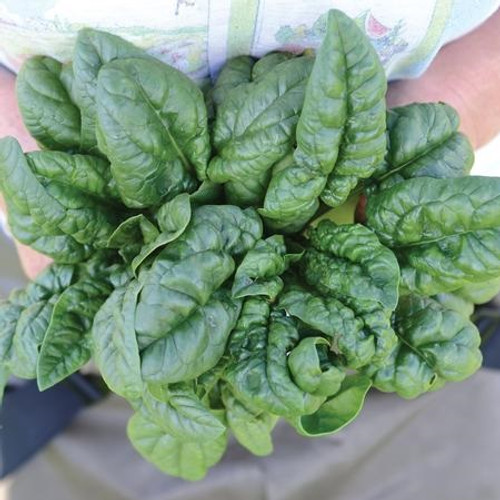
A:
435,345
456,303
194,346
338,411
292,198
173,218
30,332
235,72
66,344
360,334
238,229
131,235
268,63
180,413
259,272
424,142
189,460
349,262
88,174
258,372
189,270
33,214
46,107
340,132
25,320
9,316
152,125
255,128
115,349
251,427
342,124
313,371
94,48
481,292
445,232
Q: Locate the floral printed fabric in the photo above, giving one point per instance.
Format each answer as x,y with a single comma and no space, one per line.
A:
197,36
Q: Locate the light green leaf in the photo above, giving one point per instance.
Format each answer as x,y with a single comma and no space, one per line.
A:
115,349
312,369
251,427
338,411
180,413
189,460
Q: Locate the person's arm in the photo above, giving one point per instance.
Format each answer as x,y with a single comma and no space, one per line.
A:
465,74
11,124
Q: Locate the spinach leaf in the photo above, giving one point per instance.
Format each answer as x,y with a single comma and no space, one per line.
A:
423,141
360,334
115,349
46,106
194,346
258,373
66,345
178,411
435,345
261,131
33,214
445,232
152,125
189,460
259,272
94,48
251,427
337,411
340,132
235,72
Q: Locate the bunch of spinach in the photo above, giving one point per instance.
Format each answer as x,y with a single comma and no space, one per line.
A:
190,261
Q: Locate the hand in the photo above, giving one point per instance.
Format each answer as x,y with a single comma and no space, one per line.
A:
11,124
466,75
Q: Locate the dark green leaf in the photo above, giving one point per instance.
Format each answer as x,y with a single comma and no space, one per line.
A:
258,373
349,262
153,127
46,107
94,48
259,272
255,127
66,345
445,232
194,346
359,333
435,345
424,142
34,215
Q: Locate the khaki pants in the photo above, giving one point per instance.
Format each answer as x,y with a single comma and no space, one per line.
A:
443,446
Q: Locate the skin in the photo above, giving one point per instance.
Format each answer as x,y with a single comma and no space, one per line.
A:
465,74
